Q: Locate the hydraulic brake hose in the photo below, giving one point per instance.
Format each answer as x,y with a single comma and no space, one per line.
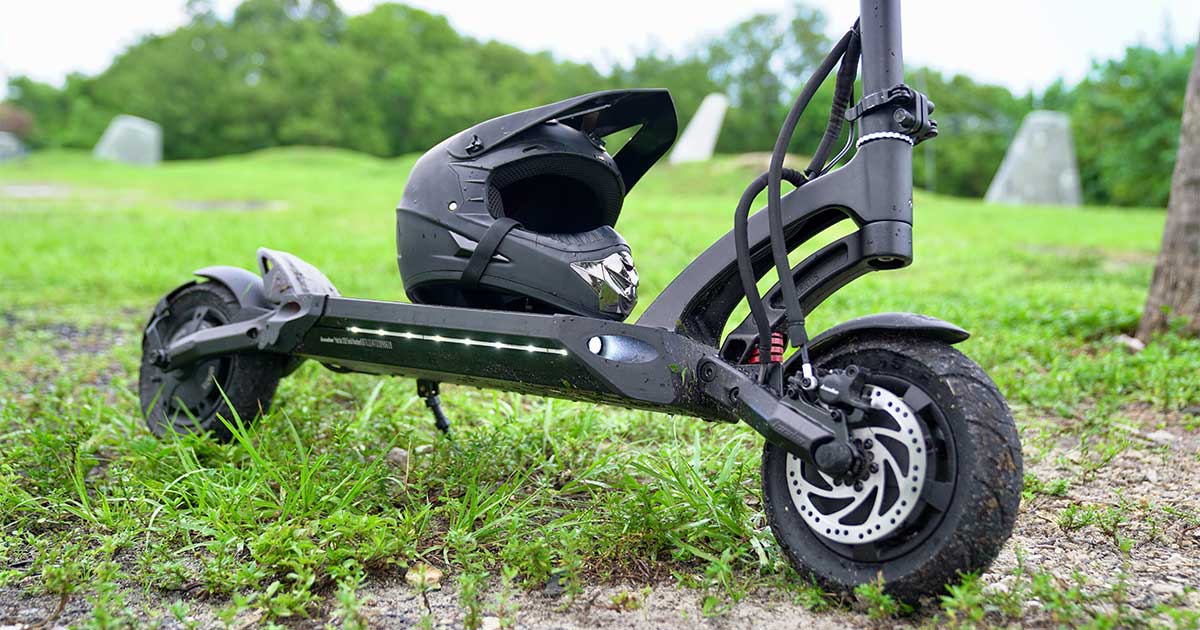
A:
741,241
843,92
848,50
795,315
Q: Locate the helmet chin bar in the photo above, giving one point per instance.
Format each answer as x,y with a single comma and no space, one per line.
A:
615,281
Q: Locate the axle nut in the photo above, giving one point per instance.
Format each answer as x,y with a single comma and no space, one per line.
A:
834,458
159,358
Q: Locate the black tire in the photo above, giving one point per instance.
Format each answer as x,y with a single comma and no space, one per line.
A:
189,400
972,442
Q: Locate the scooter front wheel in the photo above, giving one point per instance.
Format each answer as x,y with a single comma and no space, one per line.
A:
940,494
195,398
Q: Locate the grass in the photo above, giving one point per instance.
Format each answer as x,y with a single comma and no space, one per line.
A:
305,507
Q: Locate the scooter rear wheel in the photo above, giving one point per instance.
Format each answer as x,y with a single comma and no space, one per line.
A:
193,399
945,484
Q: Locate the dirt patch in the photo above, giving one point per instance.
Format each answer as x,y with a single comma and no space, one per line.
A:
33,196
47,350
1149,418
72,341
19,611
35,191
393,605
231,205
44,197
1130,521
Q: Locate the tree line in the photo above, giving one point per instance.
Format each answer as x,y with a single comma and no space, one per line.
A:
397,80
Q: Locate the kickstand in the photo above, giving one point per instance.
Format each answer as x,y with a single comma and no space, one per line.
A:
428,390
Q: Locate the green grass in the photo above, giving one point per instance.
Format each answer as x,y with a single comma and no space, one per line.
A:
305,507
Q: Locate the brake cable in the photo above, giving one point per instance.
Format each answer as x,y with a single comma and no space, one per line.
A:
843,94
847,50
850,138
741,241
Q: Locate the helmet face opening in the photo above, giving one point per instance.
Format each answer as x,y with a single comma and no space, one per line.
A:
557,193
552,203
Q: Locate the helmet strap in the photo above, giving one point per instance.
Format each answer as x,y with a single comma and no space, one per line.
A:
485,249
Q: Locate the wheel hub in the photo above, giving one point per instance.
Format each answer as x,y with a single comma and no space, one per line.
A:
885,491
188,392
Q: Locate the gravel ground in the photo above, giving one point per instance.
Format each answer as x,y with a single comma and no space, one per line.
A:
1149,486
393,605
396,606
1160,470
1158,474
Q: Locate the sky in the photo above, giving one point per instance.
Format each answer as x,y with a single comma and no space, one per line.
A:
1022,44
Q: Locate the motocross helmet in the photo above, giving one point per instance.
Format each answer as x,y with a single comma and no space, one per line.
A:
518,213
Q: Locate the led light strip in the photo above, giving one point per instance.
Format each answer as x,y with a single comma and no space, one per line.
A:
462,341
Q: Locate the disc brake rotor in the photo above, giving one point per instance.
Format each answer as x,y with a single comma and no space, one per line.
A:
843,514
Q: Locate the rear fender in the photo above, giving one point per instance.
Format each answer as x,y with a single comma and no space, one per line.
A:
246,286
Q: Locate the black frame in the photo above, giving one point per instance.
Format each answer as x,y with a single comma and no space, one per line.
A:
671,360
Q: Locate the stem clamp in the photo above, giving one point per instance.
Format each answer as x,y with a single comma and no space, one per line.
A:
912,114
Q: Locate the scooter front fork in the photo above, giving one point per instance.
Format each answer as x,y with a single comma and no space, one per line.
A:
804,429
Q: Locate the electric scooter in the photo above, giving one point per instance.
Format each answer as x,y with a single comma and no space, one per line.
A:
888,454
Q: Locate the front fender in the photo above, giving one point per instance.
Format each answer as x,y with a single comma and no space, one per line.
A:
911,323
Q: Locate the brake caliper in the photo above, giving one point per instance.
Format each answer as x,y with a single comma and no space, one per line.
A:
844,393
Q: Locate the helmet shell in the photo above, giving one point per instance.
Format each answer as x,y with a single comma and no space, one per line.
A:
562,187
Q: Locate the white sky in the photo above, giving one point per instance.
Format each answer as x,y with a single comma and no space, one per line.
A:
1019,43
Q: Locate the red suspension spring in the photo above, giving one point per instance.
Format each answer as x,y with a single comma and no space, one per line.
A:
778,344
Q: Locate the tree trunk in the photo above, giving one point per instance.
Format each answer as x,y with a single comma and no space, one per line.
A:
1175,287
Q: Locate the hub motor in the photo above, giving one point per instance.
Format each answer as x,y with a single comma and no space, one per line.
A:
212,394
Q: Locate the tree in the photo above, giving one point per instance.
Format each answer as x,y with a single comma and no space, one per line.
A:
976,123
16,121
759,63
398,80
1125,117
1175,286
